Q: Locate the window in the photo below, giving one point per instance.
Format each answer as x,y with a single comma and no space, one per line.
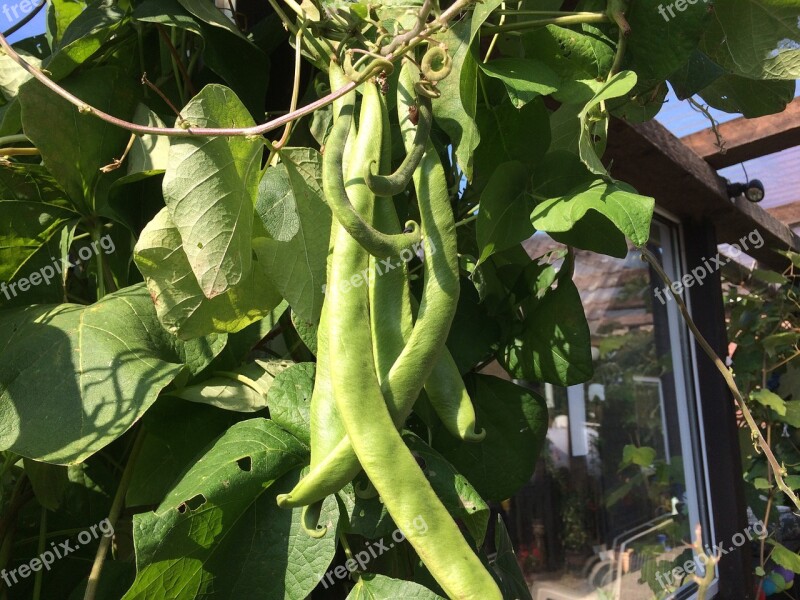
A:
618,489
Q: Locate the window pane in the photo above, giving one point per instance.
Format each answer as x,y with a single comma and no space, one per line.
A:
609,510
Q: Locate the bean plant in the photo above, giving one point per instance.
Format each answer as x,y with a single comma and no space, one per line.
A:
255,259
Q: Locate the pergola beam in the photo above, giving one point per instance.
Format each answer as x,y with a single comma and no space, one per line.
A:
658,164
746,139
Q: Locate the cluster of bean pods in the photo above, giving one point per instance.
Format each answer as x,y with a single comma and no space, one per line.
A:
376,348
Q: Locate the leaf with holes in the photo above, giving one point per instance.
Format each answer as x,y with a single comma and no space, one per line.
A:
210,189
219,532
182,307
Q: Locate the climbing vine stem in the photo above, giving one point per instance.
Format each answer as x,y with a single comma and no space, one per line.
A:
113,516
755,432
392,51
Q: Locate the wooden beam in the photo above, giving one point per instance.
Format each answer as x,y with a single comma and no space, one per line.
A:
748,138
658,164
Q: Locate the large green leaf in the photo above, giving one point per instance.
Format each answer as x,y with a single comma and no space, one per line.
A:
515,420
509,134
752,98
12,76
182,307
455,108
293,209
175,433
698,72
62,13
88,32
755,38
74,378
219,533
379,587
630,212
33,212
210,189
289,399
75,146
659,43
506,565
243,390
556,344
208,13
594,124
503,218
579,58
525,79
221,42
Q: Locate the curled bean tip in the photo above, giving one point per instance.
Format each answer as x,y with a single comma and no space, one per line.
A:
478,435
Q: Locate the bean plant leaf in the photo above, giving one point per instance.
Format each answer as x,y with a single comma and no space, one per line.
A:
515,420
33,213
630,212
243,390
506,566
594,125
506,135
770,400
55,127
503,219
182,307
752,98
556,343
525,79
662,38
175,433
63,12
579,58
698,72
455,108
106,364
289,399
784,557
208,13
210,190
455,491
149,153
755,38
371,586
85,35
220,533
296,256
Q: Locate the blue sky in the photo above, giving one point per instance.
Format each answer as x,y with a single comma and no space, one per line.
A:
8,8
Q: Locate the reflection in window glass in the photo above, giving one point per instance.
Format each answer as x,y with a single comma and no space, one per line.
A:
609,510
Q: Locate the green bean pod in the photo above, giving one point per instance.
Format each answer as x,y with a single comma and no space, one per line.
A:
326,428
389,185
386,459
393,309
409,358
375,242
